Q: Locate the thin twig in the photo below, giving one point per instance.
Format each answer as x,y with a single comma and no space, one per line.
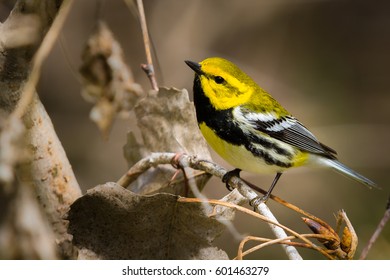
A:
46,169
40,56
287,240
291,206
148,68
190,181
212,168
267,219
377,232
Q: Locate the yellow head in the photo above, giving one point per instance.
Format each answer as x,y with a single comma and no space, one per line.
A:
223,82
226,87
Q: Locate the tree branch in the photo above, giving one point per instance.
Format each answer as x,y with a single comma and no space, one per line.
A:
48,169
192,161
385,219
148,68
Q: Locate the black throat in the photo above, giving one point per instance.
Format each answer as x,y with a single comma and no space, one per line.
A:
220,121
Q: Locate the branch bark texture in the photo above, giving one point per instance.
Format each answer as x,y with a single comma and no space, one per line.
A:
47,168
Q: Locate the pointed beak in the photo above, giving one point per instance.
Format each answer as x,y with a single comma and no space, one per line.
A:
194,66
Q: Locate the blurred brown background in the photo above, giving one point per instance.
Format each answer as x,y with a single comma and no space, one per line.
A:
327,62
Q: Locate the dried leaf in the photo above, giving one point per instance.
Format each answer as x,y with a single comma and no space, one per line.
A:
346,240
332,241
167,123
170,117
103,114
107,81
349,239
110,222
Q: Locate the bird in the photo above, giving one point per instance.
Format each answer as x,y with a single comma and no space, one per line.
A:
250,130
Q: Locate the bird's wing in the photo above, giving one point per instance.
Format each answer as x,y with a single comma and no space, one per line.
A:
286,129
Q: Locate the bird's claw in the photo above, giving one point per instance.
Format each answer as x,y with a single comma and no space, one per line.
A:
228,175
258,200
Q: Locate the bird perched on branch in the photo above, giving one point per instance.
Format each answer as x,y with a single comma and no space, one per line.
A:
247,127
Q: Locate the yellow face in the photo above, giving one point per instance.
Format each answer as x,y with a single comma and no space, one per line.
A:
225,84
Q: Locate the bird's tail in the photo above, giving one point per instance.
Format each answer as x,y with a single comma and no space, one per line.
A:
344,170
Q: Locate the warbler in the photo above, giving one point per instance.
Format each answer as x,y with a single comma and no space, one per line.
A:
248,128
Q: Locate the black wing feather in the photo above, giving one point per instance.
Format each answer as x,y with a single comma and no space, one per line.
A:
289,130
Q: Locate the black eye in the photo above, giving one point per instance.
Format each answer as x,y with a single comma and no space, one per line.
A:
219,79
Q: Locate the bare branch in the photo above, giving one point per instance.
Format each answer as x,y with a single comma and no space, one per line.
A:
377,232
211,168
148,68
48,169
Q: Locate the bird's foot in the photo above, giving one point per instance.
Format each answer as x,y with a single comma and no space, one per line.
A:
258,200
228,175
